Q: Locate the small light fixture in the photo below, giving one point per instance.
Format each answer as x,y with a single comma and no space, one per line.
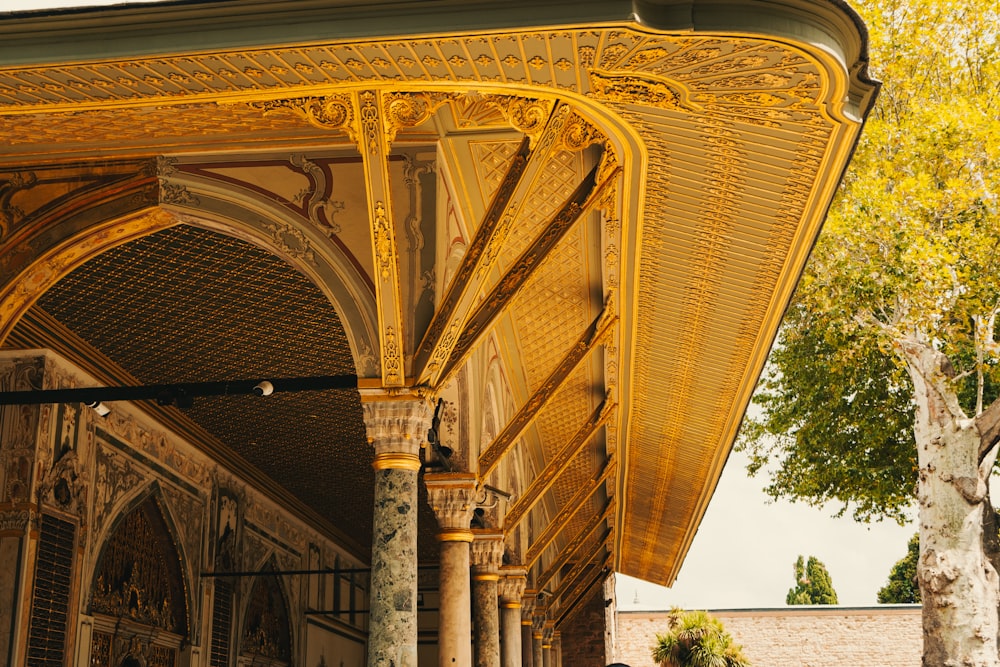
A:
98,407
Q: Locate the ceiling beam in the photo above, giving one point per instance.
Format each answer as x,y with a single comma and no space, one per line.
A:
566,514
592,336
169,394
372,132
587,194
558,464
581,590
574,578
570,550
522,173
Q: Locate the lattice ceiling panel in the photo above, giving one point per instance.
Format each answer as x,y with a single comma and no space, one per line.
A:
187,305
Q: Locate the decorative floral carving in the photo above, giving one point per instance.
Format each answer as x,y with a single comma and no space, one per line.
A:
290,241
578,134
410,109
14,183
318,194
628,89
332,112
391,371
176,194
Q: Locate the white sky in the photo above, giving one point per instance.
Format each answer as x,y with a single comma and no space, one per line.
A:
746,547
745,550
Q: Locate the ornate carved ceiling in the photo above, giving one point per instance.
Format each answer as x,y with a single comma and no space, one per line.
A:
582,236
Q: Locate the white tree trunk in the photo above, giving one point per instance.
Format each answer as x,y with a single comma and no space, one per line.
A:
959,586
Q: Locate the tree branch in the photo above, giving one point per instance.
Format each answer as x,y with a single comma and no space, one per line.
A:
988,423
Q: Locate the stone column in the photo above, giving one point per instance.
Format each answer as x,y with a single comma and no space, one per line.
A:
537,629
511,588
527,632
487,553
547,633
397,428
451,495
556,649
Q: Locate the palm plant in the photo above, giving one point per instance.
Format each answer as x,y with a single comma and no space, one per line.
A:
696,639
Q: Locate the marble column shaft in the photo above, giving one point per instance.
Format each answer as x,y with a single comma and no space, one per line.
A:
451,495
538,637
397,428
547,633
511,589
527,647
527,628
487,554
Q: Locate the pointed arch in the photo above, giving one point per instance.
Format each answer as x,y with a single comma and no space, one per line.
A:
139,574
266,633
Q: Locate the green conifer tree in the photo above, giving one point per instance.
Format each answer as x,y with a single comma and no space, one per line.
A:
812,584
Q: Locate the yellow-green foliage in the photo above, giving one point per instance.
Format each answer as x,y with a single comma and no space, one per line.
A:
911,250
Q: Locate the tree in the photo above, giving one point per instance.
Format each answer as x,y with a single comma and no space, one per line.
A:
696,639
812,584
902,586
884,376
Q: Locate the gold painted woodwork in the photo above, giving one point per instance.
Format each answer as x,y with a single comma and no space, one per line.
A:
559,462
578,593
372,133
546,123
572,579
587,194
730,147
566,514
593,336
570,549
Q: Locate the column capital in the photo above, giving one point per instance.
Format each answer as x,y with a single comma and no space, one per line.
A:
528,605
513,578
452,497
487,553
397,426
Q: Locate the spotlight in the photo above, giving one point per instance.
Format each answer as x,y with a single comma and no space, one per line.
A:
264,388
98,407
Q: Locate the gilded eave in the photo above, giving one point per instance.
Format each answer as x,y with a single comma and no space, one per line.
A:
731,124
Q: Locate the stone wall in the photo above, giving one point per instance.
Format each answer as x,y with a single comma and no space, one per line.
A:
887,636
582,635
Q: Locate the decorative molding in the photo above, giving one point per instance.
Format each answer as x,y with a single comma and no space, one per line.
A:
289,240
638,90
318,196
385,257
328,112
10,214
405,110
176,194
